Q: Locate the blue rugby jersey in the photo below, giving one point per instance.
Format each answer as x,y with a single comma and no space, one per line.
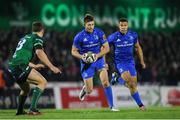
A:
123,46
86,42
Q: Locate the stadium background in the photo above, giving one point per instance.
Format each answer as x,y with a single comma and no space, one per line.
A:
156,21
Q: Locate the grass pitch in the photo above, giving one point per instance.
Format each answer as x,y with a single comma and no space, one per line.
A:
124,113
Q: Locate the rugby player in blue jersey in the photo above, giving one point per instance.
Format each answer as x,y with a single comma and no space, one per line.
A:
125,41
92,39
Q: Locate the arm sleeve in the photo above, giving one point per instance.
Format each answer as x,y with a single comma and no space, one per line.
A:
76,42
135,38
102,37
110,39
38,44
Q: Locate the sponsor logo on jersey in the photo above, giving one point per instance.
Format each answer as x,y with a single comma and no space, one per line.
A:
118,40
91,42
120,70
125,42
95,37
85,39
131,37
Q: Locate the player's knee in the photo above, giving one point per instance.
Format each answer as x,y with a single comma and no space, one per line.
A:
43,82
104,80
105,83
25,91
132,86
89,90
126,76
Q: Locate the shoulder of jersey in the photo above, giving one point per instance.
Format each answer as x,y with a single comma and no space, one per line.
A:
115,34
132,32
28,36
80,33
98,29
34,36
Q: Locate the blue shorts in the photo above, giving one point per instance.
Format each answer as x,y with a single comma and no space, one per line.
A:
122,67
88,70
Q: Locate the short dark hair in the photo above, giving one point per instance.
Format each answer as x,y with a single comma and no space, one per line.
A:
88,18
37,26
123,20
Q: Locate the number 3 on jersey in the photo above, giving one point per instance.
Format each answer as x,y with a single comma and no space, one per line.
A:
19,46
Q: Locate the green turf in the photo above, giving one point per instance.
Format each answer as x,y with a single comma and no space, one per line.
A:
132,113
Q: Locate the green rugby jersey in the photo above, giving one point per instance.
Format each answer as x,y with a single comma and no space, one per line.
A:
25,49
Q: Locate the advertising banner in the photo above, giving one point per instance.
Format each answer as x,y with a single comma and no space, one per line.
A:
70,98
68,15
149,94
170,96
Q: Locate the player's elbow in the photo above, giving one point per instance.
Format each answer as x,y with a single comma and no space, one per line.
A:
39,52
107,49
72,52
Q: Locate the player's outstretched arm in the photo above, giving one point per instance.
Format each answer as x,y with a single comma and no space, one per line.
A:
140,54
36,66
43,57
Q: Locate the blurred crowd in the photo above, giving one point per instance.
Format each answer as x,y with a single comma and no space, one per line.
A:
160,54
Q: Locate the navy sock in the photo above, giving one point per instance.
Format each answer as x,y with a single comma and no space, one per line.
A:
137,98
108,91
21,103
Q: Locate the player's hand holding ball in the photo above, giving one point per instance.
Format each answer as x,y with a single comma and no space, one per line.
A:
83,57
89,57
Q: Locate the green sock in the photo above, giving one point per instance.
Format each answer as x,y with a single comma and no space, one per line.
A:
35,97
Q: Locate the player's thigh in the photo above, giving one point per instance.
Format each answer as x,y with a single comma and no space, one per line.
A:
124,71
87,70
35,82
20,73
102,71
126,76
35,77
132,69
89,84
103,75
133,73
25,88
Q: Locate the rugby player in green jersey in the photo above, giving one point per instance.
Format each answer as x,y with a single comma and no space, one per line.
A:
24,72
